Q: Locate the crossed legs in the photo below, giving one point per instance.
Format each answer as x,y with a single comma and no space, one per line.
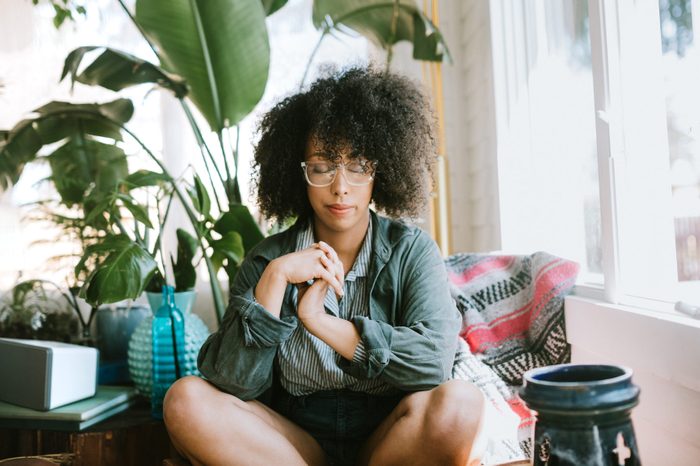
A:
433,427
212,428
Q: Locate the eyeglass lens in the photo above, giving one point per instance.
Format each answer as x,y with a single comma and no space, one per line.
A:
323,173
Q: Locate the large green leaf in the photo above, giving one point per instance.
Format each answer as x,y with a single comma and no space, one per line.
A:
272,6
119,110
57,121
123,274
183,269
142,178
220,47
200,198
20,148
229,246
83,165
373,19
139,212
116,70
239,219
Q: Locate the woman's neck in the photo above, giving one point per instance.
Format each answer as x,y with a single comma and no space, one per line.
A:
346,243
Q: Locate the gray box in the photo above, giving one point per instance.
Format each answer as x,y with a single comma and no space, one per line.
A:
46,374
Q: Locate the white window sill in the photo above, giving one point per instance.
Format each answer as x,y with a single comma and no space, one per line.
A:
664,343
663,349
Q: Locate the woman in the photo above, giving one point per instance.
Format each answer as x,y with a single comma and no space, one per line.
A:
343,325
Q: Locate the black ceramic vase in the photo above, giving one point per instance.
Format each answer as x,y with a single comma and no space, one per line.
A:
583,415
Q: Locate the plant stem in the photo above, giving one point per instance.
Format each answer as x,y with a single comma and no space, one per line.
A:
326,29
120,226
188,113
210,69
392,34
214,281
157,246
234,149
140,29
202,147
232,193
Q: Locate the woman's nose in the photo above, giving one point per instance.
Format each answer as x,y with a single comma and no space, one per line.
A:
340,183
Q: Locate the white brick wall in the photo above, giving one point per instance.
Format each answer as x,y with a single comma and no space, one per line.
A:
470,128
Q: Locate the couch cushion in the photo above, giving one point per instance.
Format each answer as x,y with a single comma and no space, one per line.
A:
513,309
512,320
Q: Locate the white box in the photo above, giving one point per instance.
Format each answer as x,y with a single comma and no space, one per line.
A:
46,374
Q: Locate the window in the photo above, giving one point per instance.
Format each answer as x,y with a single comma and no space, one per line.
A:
547,167
681,67
598,158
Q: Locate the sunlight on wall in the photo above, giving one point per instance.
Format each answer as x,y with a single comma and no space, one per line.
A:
31,60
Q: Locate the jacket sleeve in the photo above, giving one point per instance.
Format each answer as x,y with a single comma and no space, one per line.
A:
418,352
238,358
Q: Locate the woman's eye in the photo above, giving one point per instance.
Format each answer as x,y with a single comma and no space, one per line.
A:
358,167
322,167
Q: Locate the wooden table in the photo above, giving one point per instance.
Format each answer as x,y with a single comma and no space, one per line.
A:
131,438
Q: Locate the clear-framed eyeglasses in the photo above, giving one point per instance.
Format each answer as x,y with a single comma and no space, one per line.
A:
323,173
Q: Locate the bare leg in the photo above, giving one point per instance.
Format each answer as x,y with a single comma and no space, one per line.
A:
210,427
427,428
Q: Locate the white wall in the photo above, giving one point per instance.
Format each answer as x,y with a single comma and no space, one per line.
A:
470,126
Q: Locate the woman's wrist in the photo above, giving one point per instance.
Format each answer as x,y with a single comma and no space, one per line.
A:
275,271
269,291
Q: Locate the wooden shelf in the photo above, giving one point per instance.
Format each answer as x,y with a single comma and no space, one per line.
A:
131,438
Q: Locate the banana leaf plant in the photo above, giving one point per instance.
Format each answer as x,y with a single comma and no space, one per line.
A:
384,23
91,178
213,55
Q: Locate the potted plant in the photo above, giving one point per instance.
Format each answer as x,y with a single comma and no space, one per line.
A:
214,58
30,310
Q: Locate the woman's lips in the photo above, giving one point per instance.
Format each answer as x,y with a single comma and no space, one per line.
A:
339,209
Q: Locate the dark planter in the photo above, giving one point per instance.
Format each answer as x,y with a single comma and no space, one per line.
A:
583,415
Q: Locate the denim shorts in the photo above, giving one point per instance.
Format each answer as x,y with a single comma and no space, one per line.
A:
341,421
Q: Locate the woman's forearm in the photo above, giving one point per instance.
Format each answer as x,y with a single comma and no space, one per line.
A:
337,333
269,292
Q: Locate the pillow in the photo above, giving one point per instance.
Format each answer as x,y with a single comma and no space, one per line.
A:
512,320
513,309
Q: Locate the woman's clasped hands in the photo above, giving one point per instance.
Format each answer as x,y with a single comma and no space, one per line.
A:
313,270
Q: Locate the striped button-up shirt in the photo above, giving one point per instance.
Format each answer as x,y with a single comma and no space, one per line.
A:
307,363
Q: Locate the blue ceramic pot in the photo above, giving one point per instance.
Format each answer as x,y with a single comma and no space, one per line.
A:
141,343
115,325
583,414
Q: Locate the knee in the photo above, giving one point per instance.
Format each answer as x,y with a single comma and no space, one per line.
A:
453,413
180,406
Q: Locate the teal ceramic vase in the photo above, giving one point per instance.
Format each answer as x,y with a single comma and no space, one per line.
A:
583,415
140,353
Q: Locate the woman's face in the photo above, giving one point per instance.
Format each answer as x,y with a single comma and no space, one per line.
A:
339,207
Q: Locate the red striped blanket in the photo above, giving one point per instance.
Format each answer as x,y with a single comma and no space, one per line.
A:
513,320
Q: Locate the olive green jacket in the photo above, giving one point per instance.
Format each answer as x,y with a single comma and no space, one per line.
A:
410,336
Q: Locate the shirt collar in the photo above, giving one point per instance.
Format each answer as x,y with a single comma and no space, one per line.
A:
360,268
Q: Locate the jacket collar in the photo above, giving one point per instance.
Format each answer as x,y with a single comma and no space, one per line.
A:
386,234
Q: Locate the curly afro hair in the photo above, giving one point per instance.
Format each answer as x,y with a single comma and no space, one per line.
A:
380,116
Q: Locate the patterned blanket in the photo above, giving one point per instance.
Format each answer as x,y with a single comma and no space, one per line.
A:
513,320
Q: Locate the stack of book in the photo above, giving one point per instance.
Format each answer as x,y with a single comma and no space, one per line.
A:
80,415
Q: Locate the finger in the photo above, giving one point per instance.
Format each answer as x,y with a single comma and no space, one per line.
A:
328,264
330,252
325,247
331,280
335,268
